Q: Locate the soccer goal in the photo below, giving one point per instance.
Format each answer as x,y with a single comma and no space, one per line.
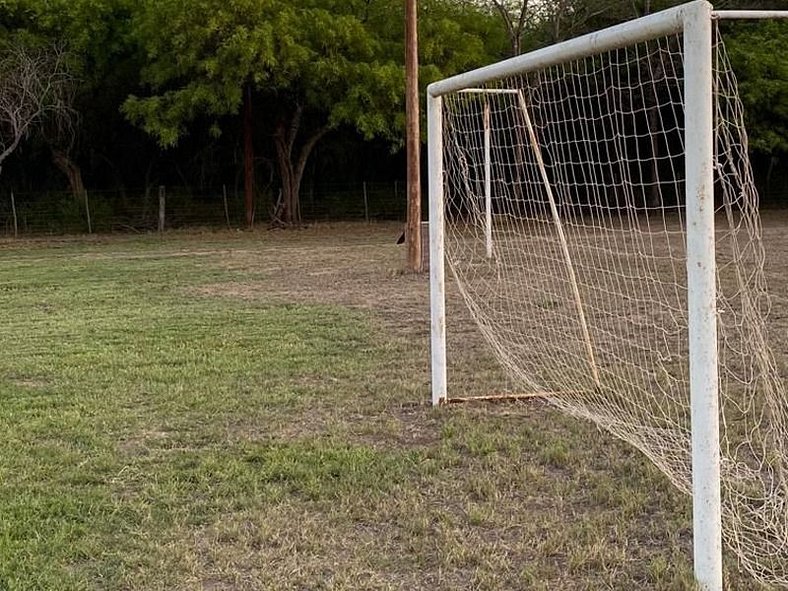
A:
595,203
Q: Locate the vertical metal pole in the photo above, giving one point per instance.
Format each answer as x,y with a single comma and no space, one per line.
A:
702,296
437,274
487,179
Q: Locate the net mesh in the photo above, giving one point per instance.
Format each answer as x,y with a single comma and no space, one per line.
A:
565,231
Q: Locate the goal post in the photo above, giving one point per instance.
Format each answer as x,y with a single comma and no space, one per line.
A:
667,22
614,281
487,125
437,251
702,297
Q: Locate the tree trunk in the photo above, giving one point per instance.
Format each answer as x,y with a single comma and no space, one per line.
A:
291,169
285,214
10,148
248,157
514,29
72,171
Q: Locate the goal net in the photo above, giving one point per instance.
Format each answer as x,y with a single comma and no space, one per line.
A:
566,232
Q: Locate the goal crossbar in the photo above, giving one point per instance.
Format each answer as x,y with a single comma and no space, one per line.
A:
750,14
660,24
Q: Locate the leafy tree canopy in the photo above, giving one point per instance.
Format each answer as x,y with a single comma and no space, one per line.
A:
314,64
95,31
757,51
201,54
342,58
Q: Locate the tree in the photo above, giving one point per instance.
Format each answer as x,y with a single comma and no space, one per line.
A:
36,86
309,63
549,22
102,65
513,13
311,66
564,19
757,51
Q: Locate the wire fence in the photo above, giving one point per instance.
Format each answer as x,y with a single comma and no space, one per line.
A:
167,207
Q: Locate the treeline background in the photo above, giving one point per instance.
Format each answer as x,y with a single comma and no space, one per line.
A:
166,91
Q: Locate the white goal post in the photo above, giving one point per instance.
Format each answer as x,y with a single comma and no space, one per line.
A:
491,119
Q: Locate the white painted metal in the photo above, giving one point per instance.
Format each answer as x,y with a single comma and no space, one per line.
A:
437,273
487,180
702,296
750,14
660,24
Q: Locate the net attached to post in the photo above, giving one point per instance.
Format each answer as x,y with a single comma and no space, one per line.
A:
565,231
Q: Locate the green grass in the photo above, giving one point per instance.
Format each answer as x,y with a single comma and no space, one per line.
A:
162,434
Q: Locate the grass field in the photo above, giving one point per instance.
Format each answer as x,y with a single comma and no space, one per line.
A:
241,411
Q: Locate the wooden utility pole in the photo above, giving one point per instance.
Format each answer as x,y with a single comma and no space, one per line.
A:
412,136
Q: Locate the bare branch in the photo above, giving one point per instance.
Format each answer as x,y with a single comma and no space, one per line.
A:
514,14
521,20
506,16
307,148
36,88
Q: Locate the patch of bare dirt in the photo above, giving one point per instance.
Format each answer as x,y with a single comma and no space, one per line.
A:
365,274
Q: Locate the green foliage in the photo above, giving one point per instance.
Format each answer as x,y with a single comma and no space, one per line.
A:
175,66
95,30
757,51
102,58
14,14
340,61
200,65
456,37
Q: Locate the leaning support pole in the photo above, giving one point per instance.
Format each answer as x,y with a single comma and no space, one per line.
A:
437,274
559,226
702,296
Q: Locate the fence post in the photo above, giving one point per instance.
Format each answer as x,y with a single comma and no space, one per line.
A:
366,203
13,211
87,212
226,209
162,206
